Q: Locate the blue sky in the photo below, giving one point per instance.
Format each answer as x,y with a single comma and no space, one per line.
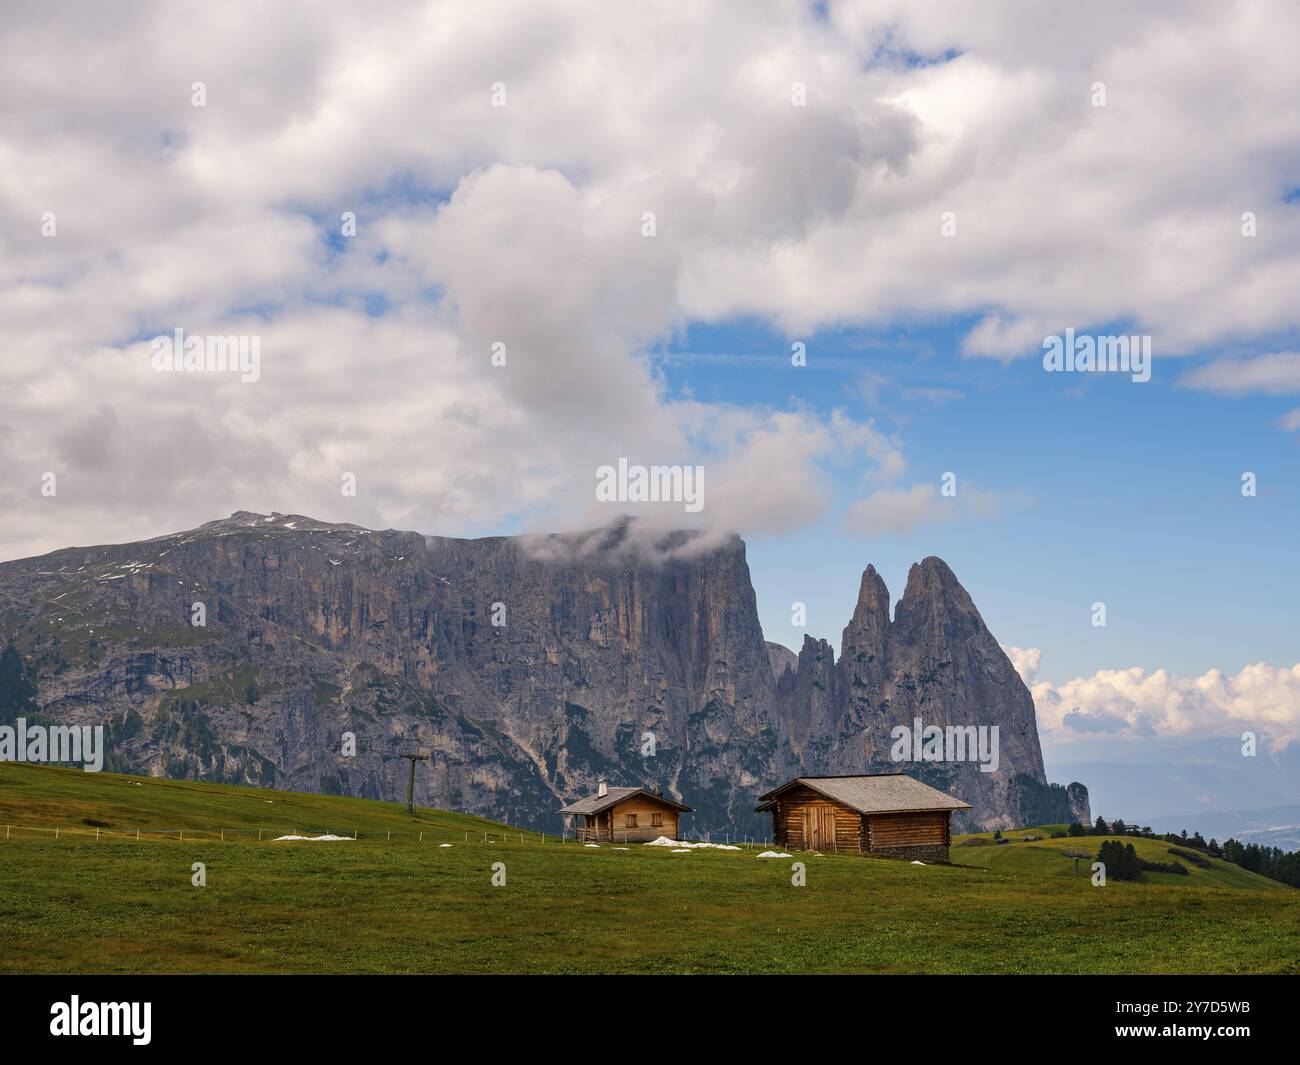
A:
1109,490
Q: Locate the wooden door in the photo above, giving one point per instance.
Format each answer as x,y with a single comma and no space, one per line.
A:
819,827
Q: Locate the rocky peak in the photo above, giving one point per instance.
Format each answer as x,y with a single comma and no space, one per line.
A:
870,622
937,661
932,589
245,520
810,692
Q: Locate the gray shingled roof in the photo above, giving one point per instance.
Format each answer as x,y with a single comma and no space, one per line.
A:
883,793
594,804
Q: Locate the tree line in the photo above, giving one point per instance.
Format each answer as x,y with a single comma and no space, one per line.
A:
1272,862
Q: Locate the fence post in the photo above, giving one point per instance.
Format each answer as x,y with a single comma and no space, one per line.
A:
421,837
223,835
182,835
137,834
259,835
56,833
97,835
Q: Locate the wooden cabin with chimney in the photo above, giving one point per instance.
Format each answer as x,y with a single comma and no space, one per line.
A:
886,814
625,815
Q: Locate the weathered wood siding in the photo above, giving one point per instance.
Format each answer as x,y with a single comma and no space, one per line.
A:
804,820
644,809
611,825
927,829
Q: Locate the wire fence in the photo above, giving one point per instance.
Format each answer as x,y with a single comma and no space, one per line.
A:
275,834
266,834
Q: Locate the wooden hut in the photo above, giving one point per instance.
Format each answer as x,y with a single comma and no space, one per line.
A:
625,815
885,814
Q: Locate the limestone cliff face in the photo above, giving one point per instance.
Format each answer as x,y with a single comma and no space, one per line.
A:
528,666
1080,809
808,708
936,662
781,658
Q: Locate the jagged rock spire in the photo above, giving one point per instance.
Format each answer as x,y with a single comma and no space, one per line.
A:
870,623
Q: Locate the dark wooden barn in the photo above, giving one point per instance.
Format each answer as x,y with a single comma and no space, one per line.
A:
885,814
625,815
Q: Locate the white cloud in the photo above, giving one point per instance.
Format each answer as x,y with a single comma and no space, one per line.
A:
1277,374
898,510
1134,703
522,224
1026,661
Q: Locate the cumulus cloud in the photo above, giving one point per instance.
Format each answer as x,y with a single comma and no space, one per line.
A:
898,510
1268,375
1129,703
1047,233
1026,661
522,226
1277,374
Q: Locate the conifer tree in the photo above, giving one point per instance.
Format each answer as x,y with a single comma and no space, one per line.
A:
17,692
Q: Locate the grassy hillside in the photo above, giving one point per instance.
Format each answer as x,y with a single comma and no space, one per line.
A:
1047,857
375,905
34,799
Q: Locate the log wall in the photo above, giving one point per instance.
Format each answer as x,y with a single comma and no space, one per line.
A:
801,816
903,830
802,808
610,826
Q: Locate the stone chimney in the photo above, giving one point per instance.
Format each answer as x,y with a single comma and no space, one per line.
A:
602,787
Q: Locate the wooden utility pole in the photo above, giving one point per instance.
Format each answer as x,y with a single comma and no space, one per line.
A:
1076,855
412,757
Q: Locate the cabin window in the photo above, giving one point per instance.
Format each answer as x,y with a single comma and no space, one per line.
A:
631,820
656,820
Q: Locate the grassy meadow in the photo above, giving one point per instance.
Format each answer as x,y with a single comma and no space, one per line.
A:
118,904
1048,857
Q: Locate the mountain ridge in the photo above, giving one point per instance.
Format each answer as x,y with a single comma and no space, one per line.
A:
528,666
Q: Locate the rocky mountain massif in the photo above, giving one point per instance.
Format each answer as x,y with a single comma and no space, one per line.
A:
527,666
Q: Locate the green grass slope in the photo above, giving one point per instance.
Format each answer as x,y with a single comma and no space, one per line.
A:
36,799
77,904
1047,857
